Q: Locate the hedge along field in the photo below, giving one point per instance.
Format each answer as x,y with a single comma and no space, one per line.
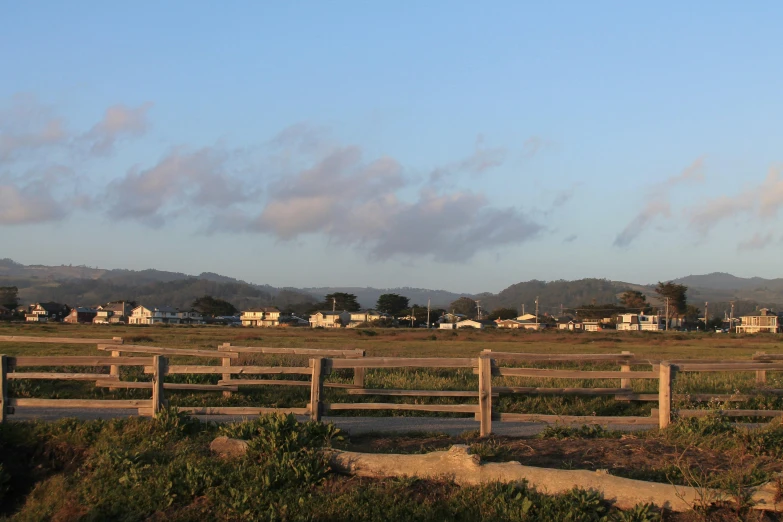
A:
407,343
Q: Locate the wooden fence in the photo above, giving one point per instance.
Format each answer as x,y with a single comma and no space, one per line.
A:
322,363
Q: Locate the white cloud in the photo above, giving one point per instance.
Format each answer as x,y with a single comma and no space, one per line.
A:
182,181
357,203
117,123
28,204
658,203
763,200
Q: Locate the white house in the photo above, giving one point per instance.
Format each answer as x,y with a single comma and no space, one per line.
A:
266,316
470,323
569,324
628,322
190,317
651,323
160,315
44,312
113,313
366,316
328,319
764,321
592,325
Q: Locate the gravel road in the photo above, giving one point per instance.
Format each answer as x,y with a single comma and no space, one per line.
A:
351,425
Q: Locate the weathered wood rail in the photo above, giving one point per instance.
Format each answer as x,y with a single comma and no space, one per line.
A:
156,362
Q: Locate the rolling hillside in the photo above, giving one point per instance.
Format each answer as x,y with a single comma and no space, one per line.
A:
85,286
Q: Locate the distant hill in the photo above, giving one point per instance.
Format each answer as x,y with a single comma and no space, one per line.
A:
86,286
83,286
723,281
552,294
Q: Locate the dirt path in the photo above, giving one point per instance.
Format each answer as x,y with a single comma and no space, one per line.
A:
351,425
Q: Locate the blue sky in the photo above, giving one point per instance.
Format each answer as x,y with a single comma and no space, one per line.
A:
434,144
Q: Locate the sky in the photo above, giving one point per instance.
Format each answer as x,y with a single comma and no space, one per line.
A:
456,145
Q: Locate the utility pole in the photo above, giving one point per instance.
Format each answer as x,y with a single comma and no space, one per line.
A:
523,308
731,318
536,312
428,313
561,309
666,325
413,314
334,304
706,315
478,309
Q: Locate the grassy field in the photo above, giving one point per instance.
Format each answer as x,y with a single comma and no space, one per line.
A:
411,343
161,469
405,342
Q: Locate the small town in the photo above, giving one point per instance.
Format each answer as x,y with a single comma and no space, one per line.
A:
765,321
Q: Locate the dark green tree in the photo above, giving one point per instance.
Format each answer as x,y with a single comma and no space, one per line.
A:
677,296
634,299
503,313
211,306
340,301
465,306
9,297
692,313
392,303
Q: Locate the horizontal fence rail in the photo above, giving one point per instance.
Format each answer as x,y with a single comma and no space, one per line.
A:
58,340
234,374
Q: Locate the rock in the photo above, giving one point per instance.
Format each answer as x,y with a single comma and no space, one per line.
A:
228,448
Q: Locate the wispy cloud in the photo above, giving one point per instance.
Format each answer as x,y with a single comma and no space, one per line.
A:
26,126
763,200
182,181
533,145
356,203
480,161
571,238
658,203
299,183
757,242
117,123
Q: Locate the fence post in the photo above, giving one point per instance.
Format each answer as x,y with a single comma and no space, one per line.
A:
3,387
485,394
316,388
665,395
761,375
359,374
625,383
159,371
226,362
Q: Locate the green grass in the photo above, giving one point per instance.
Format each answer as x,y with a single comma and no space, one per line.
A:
161,469
406,343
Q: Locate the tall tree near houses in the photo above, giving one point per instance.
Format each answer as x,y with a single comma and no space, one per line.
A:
503,313
465,306
677,295
212,306
634,299
9,297
392,303
340,301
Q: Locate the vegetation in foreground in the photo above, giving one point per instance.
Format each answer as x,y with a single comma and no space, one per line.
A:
162,469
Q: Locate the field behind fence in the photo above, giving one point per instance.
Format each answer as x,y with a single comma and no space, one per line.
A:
492,386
